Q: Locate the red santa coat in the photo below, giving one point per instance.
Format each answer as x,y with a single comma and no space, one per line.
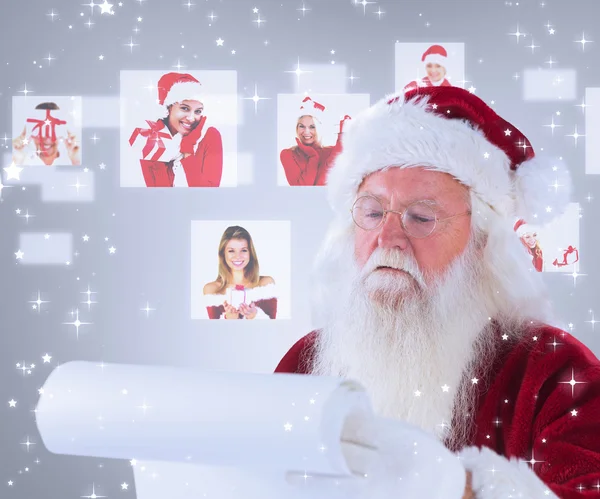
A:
264,297
203,167
528,408
309,169
426,82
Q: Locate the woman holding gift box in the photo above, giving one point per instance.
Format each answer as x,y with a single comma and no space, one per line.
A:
239,291
308,162
180,150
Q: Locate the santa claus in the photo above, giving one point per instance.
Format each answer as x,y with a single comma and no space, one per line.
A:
309,161
180,149
434,58
424,295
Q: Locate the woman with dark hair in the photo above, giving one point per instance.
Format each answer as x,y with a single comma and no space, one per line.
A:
239,291
180,150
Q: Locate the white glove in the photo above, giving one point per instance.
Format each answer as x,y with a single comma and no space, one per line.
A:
407,463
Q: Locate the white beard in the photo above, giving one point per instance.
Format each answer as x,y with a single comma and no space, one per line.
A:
404,340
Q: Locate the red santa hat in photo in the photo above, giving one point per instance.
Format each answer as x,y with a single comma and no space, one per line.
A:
449,129
177,87
522,227
309,107
435,54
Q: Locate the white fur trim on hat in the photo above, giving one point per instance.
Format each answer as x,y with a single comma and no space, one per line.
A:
410,135
435,59
524,229
184,91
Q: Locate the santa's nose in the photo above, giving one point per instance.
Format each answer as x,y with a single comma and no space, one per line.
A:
392,234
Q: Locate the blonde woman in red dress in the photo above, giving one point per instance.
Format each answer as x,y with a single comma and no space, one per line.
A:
239,291
180,149
308,162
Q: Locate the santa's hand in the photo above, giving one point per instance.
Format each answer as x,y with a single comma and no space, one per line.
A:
310,151
73,149
405,462
230,311
189,141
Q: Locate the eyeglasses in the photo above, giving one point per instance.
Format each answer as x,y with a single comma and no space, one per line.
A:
418,219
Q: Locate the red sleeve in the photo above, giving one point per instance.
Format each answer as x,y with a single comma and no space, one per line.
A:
532,411
268,306
205,167
297,359
215,312
157,173
299,169
328,155
411,86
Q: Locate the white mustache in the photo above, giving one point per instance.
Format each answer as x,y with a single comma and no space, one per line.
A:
395,260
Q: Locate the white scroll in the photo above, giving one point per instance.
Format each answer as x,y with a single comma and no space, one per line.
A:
226,435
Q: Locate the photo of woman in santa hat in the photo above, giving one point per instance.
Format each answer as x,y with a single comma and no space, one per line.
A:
435,60
308,162
239,291
179,149
529,238
50,132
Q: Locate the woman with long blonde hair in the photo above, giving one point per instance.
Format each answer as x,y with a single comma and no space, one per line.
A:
239,291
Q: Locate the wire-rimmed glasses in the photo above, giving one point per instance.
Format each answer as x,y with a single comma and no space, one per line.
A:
418,219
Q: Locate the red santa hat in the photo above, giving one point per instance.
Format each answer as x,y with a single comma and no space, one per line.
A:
309,107
177,87
435,54
522,227
449,129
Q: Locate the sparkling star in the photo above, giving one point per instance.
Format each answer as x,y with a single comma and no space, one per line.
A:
124,486
112,250
518,34
258,21
583,41
106,8
445,388
38,302
77,323
220,42
575,135
19,254
147,309
474,381
507,132
553,125
13,171
46,358
256,98
417,393
287,427
298,71
85,238
12,403
572,382
574,412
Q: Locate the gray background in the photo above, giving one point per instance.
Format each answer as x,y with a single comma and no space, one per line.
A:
151,229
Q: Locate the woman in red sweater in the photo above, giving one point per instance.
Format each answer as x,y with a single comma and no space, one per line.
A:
180,150
308,162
